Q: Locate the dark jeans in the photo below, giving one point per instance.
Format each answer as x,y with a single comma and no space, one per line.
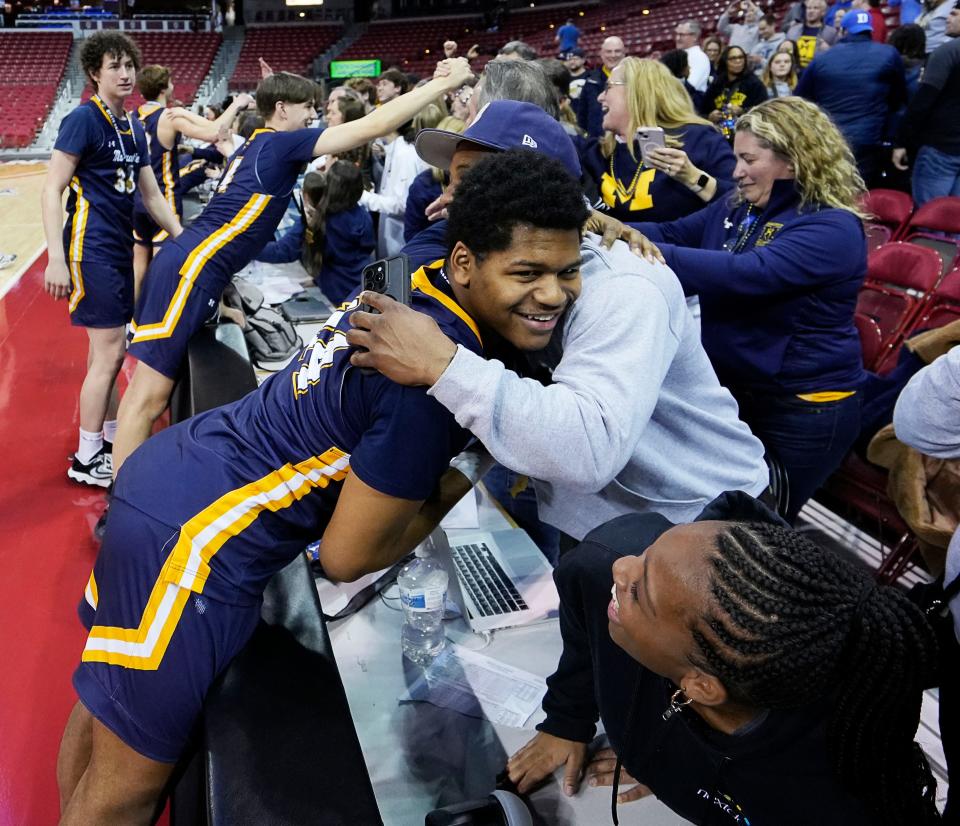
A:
809,438
522,506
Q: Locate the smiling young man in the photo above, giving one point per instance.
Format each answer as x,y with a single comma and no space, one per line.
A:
320,449
188,275
101,155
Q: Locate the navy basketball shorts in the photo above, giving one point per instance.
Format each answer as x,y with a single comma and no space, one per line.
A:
171,309
154,647
146,231
102,294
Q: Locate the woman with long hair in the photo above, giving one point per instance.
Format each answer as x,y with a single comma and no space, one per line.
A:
695,165
742,673
734,91
713,47
778,268
780,75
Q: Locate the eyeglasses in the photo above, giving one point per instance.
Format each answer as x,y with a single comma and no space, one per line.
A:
610,83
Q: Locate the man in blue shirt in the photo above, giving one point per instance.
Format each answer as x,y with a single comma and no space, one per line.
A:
206,511
568,36
859,83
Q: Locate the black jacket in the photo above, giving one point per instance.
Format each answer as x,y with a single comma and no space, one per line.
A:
774,772
589,111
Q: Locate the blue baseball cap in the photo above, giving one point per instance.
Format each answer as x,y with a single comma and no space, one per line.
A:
502,125
856,21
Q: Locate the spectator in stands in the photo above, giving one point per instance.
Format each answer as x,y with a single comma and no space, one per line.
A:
734,91
745,34
768,40
590,113
687,36
777,272
860,84
516,50
678,63
835,12
780,75
559,76
343,109
933,21
911,42
737,667
426,188
514,80
334,238
910,10
567,37
812,36
872,7
211,111
713,47
101,154
791,48
576,65
313,452
631,387
391,84
928,133
364,87
401,166
263,176
696,167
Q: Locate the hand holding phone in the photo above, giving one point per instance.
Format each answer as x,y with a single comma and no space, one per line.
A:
649,138
389,276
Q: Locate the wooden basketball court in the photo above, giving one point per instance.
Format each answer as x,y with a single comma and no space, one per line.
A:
21,230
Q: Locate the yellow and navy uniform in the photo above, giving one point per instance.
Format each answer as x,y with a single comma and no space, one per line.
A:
97,236
165,169
630,191
206,511
189,273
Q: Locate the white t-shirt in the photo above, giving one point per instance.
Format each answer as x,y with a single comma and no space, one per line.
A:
699,68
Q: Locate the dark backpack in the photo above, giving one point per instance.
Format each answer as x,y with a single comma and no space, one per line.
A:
271,339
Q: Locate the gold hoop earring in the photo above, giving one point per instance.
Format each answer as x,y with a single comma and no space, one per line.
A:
676,705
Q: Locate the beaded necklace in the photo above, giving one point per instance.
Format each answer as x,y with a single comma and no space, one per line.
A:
745,230
625,194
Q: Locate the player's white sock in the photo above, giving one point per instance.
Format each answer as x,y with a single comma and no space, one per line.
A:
90,445
110,431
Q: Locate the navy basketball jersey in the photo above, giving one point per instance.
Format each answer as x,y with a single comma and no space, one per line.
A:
248,203
162,160
111,152
265,472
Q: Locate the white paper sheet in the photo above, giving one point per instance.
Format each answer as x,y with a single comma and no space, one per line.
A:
464,515
478,686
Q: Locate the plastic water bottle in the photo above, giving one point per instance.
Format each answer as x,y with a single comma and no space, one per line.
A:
423,590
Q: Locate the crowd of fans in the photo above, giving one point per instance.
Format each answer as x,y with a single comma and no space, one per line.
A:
714,351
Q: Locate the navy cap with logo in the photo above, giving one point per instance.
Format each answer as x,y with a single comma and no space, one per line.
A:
856,21
502,125
578,52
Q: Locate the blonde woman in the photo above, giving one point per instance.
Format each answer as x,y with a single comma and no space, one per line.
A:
777,269
780,75
694,167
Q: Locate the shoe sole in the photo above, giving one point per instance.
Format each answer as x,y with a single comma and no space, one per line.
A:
86,479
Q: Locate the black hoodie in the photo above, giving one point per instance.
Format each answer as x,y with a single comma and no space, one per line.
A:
776,771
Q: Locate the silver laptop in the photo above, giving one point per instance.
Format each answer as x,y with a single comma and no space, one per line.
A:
498,579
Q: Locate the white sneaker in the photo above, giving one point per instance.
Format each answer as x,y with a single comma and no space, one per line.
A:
98,472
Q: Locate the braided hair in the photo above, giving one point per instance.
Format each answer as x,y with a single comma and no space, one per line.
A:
793,625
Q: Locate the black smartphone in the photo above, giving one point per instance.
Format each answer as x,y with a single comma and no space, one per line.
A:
390,276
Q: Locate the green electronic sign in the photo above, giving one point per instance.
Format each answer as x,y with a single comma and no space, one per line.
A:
354,68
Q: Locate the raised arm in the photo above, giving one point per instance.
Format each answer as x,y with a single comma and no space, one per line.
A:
451,74
178,119
56,279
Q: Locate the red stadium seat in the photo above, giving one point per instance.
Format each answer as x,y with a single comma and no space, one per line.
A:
899,284
890,210
871,338
931,223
